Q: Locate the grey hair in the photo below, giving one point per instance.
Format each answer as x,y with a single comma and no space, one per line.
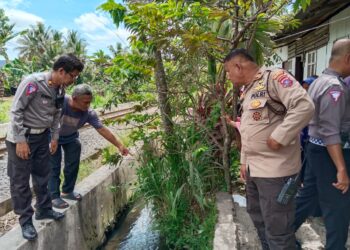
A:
82,89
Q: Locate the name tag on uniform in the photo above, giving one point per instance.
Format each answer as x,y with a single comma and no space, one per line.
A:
45,98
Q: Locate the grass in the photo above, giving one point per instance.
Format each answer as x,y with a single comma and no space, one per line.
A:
181,183
5,106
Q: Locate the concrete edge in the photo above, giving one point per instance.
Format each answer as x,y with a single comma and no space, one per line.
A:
225,229
85,222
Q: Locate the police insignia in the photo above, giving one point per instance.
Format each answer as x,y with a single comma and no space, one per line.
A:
335,95
31,88
257,116
260,87
286,82
255,103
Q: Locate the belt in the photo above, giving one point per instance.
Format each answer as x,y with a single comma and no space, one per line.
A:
319,142
36,131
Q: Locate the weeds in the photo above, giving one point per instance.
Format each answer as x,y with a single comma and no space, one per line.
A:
181,183
4,111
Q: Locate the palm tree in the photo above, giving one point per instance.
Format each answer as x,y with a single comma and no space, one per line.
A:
75,44
6,34
34,43
100,58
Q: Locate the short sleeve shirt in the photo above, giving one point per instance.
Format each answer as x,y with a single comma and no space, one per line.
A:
72,121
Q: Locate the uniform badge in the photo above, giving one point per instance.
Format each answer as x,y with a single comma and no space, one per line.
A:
260,87
335,95
257,116
286,82
255,104
31,88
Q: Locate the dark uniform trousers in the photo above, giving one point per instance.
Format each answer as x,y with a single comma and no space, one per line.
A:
273,221
19,171
320,173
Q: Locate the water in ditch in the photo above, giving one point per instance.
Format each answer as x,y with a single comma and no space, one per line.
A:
135,231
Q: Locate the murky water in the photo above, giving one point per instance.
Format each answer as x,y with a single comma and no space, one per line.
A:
136,232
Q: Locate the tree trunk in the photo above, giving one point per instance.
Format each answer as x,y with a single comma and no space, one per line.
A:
226,161
162,89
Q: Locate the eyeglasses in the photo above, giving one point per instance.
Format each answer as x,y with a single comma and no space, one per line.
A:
74,77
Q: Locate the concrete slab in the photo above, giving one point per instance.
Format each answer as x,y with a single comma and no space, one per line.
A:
105,193
225,229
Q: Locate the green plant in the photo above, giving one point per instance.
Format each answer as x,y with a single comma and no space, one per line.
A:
4,111
110,156
181,180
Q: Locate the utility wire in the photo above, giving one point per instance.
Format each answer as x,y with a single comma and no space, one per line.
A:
313,28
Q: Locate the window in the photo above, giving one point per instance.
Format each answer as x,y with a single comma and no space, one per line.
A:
311,63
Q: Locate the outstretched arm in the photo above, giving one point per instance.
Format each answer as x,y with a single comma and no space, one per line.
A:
107,134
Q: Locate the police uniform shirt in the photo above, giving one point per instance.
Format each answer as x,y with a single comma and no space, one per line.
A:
258,123
33,107
332,109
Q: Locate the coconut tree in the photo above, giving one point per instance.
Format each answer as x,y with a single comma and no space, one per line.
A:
6,34
74,44
34,42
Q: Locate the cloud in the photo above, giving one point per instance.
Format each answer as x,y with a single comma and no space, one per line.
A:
64,31
100,32
89,22
10,4
22,19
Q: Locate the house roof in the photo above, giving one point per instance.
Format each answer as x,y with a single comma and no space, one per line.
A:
318,12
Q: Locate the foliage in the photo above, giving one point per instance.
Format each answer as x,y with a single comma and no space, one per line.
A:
15,71
43,44
4,111
110,156
6,33
180,180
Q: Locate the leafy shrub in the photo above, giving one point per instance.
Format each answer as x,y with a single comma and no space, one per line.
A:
180,179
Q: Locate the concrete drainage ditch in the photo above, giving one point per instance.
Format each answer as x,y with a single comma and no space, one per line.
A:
86,221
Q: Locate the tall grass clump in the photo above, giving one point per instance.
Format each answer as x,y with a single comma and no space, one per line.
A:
5,111
179,178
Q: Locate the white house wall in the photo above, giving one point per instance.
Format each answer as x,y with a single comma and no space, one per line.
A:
339,27
337,30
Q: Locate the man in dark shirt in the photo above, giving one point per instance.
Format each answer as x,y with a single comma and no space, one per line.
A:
75,113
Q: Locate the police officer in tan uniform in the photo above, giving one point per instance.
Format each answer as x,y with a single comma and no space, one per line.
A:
275,109
326,180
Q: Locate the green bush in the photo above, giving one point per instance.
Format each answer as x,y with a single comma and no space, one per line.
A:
180,179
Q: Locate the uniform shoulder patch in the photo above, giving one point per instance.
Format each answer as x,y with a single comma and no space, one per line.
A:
335,94
283,78
31,88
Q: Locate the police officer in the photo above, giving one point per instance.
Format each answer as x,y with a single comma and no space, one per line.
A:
35,115
326,180
275,109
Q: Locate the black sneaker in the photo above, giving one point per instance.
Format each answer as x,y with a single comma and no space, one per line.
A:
28,231
48,214
298,245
